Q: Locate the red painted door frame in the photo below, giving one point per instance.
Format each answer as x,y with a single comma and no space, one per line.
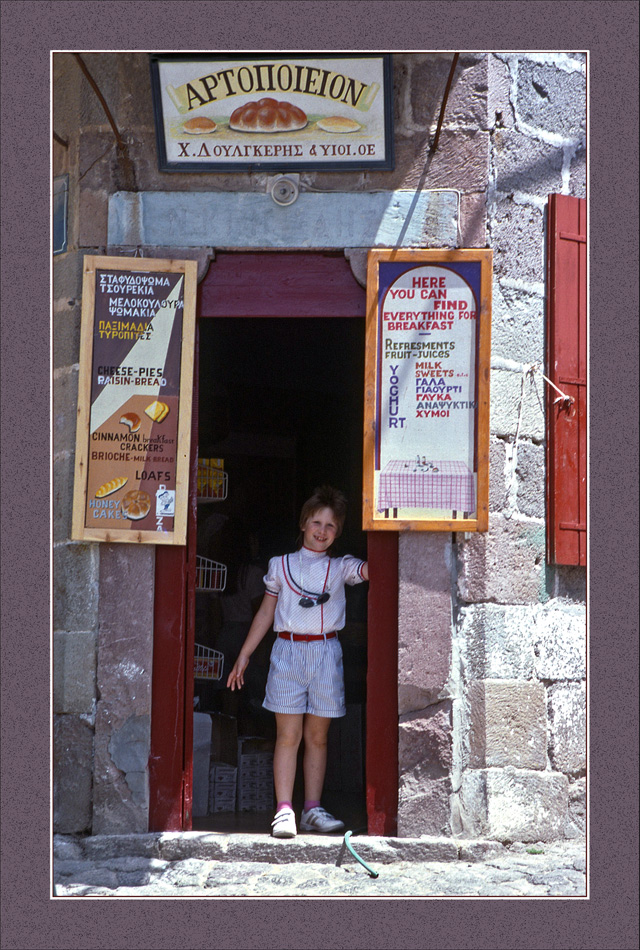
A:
275,284
171,758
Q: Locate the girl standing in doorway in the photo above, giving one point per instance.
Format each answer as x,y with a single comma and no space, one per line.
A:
305,604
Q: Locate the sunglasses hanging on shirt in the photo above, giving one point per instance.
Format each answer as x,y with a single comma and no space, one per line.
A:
319,599
309,598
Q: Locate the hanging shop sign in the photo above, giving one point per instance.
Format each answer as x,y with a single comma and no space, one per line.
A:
426,448
281,112
134,400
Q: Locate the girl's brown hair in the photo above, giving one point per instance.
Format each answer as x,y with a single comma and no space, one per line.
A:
324,497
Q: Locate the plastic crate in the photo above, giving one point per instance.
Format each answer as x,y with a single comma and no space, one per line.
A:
210,575
207,663
222,787
255,774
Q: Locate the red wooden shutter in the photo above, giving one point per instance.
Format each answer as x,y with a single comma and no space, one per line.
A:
567,369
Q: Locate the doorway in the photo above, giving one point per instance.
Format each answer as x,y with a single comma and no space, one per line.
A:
281,367
280,411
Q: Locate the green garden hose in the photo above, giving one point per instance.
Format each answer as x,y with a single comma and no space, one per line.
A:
357,856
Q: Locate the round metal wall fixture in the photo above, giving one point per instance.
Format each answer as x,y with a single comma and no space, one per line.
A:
284,191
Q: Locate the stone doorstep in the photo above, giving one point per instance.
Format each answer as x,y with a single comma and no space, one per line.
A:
307,849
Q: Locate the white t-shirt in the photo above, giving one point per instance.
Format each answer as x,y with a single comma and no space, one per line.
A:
308,573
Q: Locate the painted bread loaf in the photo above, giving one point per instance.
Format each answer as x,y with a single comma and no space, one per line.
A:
267,115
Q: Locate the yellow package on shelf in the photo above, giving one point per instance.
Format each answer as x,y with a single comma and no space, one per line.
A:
212,479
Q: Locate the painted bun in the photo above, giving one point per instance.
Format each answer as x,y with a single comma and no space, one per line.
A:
338,123
267,115
136,505
131,419
199,125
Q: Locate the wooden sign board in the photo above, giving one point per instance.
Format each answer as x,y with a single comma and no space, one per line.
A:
428,349
134,400
285,111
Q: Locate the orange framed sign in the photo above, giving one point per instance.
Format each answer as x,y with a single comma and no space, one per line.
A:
135,396
427,367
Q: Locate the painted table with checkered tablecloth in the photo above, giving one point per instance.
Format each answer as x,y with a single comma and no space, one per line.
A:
443,485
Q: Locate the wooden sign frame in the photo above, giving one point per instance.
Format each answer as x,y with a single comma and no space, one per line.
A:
427,369
136,371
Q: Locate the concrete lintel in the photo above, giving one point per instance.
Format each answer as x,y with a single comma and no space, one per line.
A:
403,218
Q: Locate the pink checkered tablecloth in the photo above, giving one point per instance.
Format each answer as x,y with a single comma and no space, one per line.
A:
405,484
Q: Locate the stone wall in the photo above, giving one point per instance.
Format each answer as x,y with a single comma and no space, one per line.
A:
75,566
100,662
519,651
513,132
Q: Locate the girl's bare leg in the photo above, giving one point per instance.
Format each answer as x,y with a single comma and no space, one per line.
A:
315,732
285,756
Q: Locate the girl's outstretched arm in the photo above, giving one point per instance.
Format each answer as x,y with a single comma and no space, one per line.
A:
261,623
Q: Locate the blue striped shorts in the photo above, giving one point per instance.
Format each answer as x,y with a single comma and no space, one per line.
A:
306,678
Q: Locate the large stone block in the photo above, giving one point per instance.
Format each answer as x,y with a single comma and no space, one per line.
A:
467,102
419,83
75,586
499,105
96,154
495,642
560,642
514,805
517,331
498,487
121,784
407,217
425,742
66,332
552,99
93,215
72,761
530,475
538,641
473,220
74,672
424,618
67,277
504,565
507,724
123,712
568,582
135,110
424,807
104,71
460,156
65,92
568,727
578,176
511,402
525,165
578,804
65,403
63,465
517,238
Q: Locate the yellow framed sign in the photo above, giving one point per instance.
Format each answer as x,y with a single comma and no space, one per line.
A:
135,396
428,350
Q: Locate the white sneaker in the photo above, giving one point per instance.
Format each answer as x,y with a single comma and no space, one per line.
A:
284,824
317,819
